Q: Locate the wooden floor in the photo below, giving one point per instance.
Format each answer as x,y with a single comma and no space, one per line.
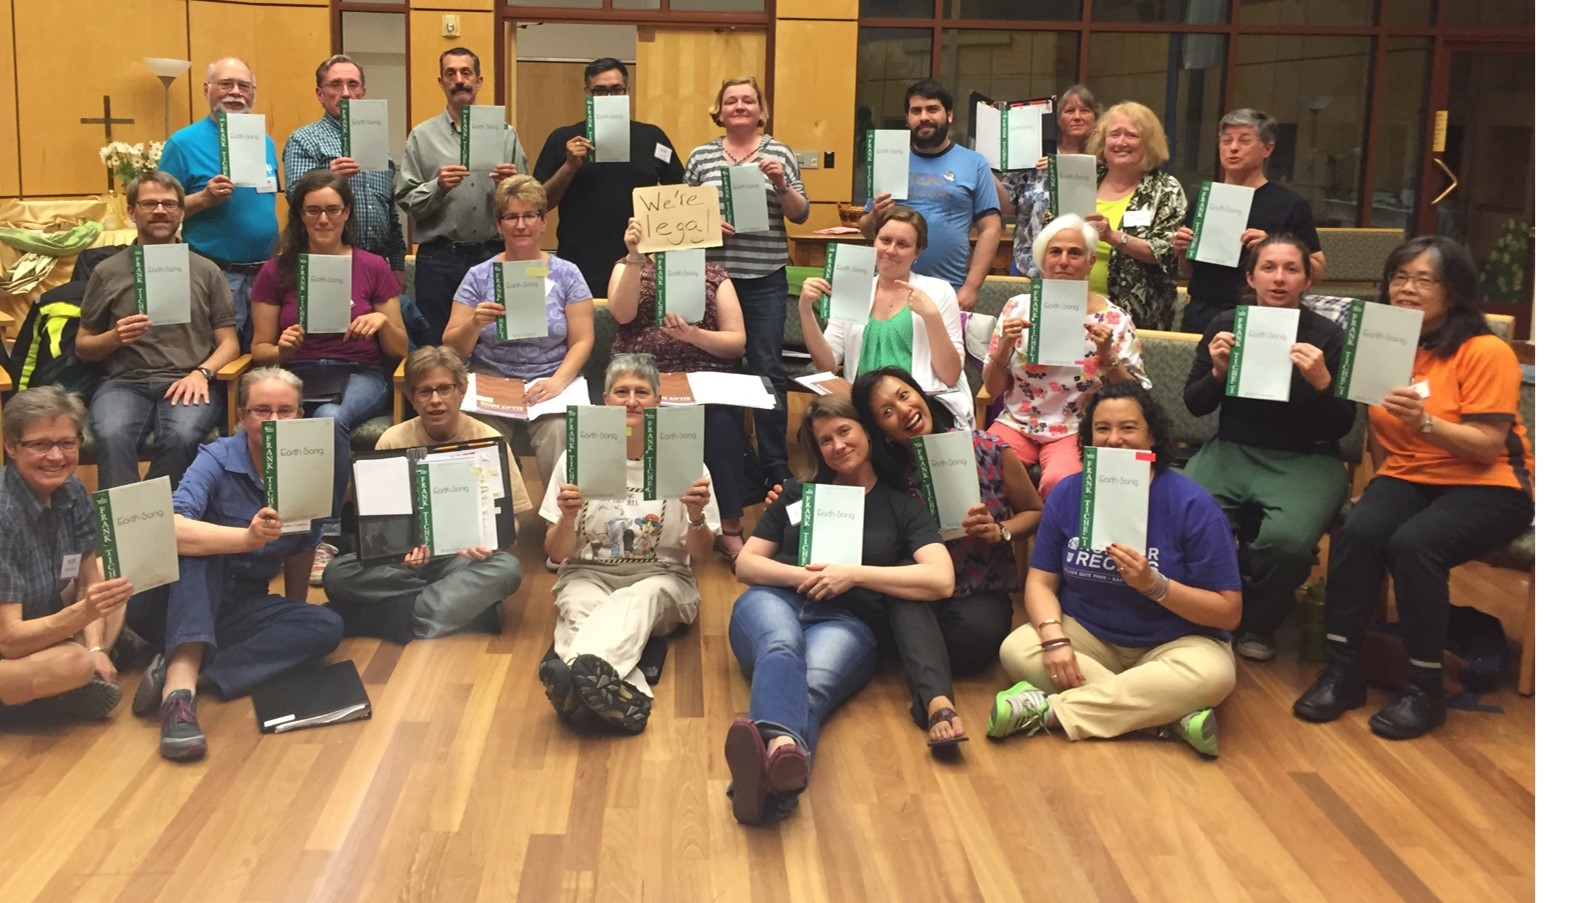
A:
465,786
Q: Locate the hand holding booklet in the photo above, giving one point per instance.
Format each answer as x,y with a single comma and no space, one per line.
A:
831,529
136,531
446,497
607,128
597,451
674,451
161,279
1260,362
363,133
850,268
298,470
1380,348
949,474
1219,221
1056,311
521,286
1115,498
322,293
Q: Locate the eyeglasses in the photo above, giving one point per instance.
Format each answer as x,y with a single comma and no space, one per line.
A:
609,90
150,206
1422,283
263,412
330,212
444,390
45,446
532,216
233,84
342,85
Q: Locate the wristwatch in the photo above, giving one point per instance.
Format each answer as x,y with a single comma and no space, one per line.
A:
1124,239
207,373
1427,424
1006,533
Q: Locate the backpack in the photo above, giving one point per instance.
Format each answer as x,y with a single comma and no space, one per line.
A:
45,349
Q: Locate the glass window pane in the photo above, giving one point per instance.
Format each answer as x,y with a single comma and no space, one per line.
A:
721,6
1004,65
637,4
896,9
890,59
1317,89
1488,12
1402,129
1309,12
1016,10
1179,77
565,4
1190,12
1409,12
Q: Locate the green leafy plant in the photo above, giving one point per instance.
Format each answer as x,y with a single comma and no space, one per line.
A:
1504,271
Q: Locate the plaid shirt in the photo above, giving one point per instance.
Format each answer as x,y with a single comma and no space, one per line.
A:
1333,307
311,147
36,538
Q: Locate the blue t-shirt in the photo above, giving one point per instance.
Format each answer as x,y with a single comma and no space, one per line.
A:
526,358
240,230
1188,541
952,190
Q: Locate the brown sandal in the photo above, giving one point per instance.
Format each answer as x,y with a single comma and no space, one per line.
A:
946,713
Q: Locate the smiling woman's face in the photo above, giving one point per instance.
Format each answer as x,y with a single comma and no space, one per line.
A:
842,443
900,412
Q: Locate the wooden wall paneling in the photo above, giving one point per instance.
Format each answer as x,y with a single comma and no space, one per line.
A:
58,155
427,44
10,126
323,4
817,9
546,96
679,71
283,45
815,102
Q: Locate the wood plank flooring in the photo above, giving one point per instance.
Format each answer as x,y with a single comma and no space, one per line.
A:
465,786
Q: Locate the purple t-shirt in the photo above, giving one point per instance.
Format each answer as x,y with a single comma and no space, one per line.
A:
371,282
526,358
1188,541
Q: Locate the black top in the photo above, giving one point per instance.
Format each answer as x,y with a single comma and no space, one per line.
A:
1213,288
895,526
596,206
1311,421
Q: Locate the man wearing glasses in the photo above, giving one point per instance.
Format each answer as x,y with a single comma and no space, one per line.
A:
58,615
594,200
424,596
319,145
450,207
234,226
156,377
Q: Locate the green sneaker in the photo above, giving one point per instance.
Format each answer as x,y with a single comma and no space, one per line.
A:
1020,707
1197,731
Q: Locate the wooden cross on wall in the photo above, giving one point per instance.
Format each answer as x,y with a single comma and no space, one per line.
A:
109,122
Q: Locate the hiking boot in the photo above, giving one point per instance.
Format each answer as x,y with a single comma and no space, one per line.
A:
1018,708
1255,647
555,677
1340,686
180,739
150,690
1419,708
1197,730
608,695
93,701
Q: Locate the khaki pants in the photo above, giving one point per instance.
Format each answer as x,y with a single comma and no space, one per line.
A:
610,610
1126,688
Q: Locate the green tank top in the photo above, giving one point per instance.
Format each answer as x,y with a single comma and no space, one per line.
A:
887,343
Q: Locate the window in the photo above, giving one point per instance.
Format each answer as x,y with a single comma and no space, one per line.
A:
1488,12
1309,12
890,59
896,9
1015,10
1004,65
1190,12
1402,130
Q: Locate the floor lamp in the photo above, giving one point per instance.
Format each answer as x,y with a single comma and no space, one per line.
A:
167,70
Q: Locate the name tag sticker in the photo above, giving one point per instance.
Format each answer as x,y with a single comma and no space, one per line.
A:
295,526
1137,219
269,185
664,153
795,513
1421,388
70,565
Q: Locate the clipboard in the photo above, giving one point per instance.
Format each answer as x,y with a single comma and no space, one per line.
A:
1049,135
386,538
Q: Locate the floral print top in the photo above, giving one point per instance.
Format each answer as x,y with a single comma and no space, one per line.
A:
1048,401
982,566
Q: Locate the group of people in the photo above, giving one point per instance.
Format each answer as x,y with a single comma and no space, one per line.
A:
1117,639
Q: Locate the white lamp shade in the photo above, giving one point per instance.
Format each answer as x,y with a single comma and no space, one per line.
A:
164,67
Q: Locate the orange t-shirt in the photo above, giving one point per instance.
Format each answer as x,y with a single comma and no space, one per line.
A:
1481,382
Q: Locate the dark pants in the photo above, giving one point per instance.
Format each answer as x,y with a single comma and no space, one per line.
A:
249,634
725,448
764,302
1196,315
440,268
952,636
1416,533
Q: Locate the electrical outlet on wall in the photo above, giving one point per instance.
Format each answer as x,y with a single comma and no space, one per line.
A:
808,160
451,26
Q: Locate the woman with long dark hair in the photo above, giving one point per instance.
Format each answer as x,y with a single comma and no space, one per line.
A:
1454,481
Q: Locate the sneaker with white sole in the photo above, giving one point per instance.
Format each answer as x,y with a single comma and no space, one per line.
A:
1255,647
150,690
320,559
1018,708
180,739
1197,730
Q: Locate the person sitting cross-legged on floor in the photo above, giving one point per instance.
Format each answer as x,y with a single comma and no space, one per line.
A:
219,622
58,614
424,596
1116,640
626,567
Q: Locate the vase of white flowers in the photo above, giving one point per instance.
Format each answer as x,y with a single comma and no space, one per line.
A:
127,161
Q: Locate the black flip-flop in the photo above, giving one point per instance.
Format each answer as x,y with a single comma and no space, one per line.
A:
945,714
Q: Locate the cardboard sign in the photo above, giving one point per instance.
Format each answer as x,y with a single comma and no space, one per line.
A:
676,217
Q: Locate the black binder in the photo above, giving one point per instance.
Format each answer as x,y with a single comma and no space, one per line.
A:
311,697
383,538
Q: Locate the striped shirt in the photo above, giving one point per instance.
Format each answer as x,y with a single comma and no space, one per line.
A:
756,254
311,147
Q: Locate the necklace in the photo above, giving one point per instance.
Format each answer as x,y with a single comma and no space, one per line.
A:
736,161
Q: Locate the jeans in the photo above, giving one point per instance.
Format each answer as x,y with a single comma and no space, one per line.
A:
439,271
240,283
764,302
123,412
367,393
1417,533
802,659
250,635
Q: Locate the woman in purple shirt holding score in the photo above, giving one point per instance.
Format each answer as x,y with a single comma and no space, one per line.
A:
546,365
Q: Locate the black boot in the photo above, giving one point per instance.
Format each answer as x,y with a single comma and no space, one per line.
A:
1340,687
1419,708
